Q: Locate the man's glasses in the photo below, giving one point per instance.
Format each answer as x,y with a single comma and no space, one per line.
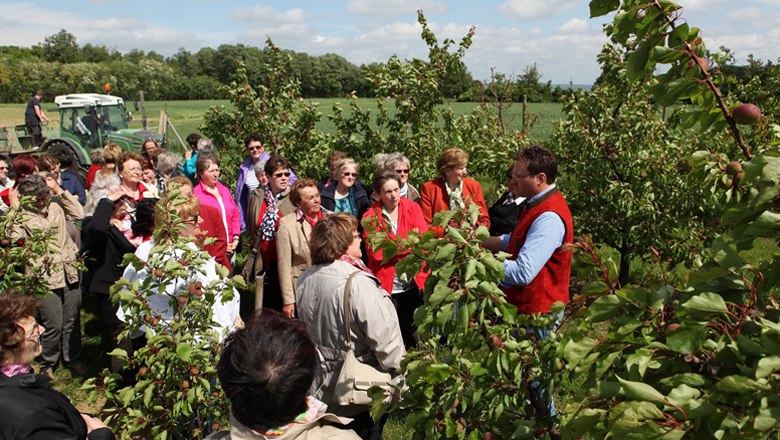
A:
254,147
406,171
286,174
349,174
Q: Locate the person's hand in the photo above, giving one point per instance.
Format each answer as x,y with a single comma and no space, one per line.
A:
188,154
289,310
116,195
54,186
231,246
92,423
13,196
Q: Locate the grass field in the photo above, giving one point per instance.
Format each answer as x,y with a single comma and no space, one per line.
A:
187,116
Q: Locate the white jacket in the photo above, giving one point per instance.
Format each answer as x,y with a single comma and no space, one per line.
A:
376,335
225,315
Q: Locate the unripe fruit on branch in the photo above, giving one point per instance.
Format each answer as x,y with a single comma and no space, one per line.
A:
181,299
194,371
159,273
725,182
142,371
488,436
185,384
672,327
738,178
746,114
733,168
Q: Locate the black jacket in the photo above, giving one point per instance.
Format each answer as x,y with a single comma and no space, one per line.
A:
105,247
31,409
358,195
503,215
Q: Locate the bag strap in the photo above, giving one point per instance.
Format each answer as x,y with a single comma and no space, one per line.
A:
347,291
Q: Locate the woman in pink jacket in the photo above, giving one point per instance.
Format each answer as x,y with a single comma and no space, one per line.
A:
210,192
397,216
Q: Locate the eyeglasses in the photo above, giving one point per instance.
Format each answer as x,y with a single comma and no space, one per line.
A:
523,176
277,175
406,171
193,221
3,168
349,174
254,147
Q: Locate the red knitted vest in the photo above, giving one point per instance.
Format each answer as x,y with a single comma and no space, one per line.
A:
552,282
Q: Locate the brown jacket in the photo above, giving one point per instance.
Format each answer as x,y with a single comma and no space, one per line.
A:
292,251
62,250
319,429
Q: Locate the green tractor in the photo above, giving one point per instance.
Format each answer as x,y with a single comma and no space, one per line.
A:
87,121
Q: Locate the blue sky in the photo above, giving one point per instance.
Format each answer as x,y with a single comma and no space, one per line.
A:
557,35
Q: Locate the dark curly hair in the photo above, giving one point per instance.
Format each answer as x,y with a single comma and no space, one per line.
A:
13,307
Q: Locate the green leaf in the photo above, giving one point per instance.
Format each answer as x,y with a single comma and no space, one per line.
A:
445,252
440,292
600,8
687,338
706,303
605,308
737,384
575,351
637,62
641,391
184,352
118,353
767,366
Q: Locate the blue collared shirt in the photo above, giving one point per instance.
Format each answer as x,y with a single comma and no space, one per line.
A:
544,236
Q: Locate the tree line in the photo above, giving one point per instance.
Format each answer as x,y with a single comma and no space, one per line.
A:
59,65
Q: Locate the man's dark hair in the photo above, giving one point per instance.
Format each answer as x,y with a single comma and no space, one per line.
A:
254,137
539,160
64,154
192,140
266,370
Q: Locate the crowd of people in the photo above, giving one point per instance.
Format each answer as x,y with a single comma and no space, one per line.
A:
307,245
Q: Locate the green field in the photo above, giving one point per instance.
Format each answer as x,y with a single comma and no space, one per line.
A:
186,116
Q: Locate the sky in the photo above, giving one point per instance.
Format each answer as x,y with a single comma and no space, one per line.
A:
556,35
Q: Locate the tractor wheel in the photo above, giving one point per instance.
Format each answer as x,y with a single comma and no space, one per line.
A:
82,167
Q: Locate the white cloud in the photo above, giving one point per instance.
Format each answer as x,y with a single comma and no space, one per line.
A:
527,10
267,15
391,32
394,8
746,14
693,5
573,26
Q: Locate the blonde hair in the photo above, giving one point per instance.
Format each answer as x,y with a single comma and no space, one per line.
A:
450,159
331,237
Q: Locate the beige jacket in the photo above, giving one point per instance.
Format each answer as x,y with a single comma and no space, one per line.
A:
292,251
62,250
315,430
376,335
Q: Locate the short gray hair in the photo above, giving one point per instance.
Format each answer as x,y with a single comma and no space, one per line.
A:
259,167
394,158
167,162
33,185
100,188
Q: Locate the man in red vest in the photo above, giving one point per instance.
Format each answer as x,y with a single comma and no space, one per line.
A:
537,273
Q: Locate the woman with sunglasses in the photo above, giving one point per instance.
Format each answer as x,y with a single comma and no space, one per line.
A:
346,195
211,192
247,181
29,407
267,205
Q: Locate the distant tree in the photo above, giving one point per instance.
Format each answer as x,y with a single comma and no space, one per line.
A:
458,80
95,54
61,47
530,85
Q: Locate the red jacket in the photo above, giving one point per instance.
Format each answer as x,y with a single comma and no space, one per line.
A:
434,198
552,282
409,217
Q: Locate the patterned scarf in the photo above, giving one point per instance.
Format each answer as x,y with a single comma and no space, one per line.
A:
456,196
357,262
315,409
12,370
268,225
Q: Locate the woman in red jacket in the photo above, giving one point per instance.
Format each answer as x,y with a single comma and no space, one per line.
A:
397,216
452,190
